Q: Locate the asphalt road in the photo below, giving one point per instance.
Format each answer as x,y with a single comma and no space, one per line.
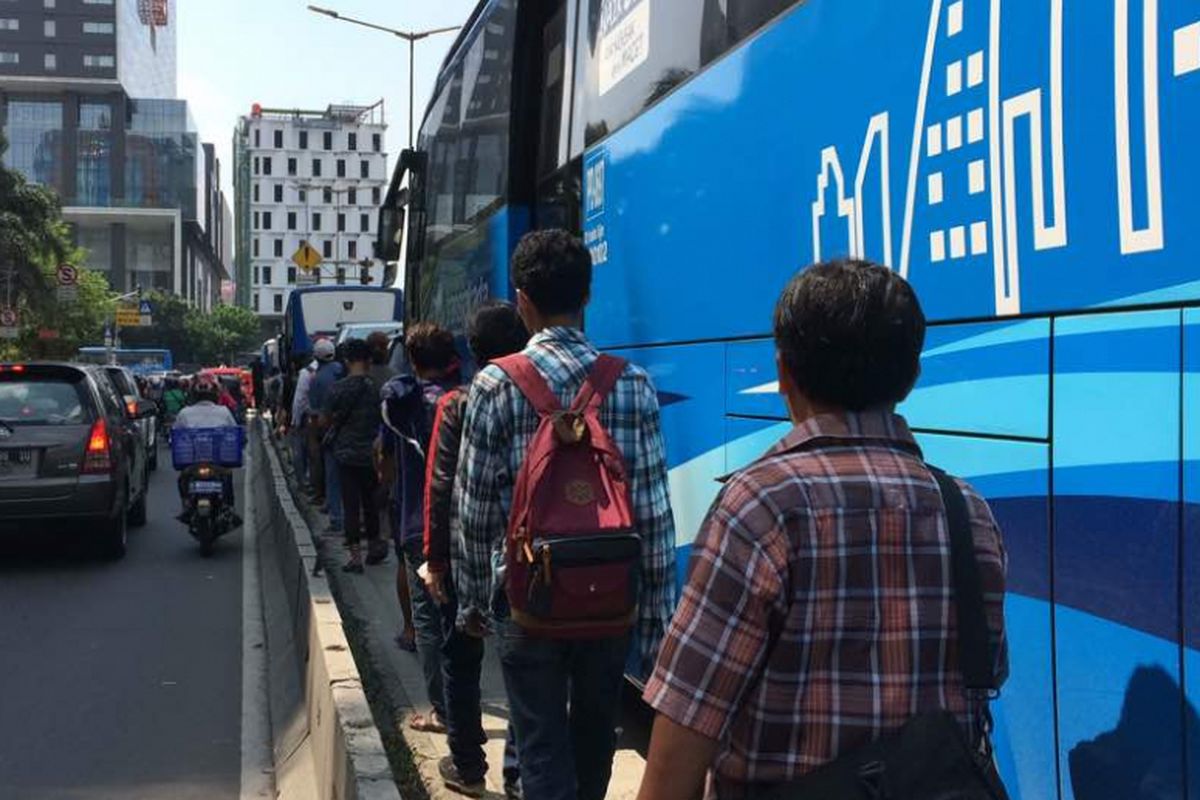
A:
122,679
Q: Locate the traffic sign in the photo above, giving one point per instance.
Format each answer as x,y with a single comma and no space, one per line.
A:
306,257
67,294
145,308
10,321
128,318
67,275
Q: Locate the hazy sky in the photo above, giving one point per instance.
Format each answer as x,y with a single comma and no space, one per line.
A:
234,53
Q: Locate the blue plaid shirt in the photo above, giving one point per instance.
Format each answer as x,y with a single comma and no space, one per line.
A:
497,430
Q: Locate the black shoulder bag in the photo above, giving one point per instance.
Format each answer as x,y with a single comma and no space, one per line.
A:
929,758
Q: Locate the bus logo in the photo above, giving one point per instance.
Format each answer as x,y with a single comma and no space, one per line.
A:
594,185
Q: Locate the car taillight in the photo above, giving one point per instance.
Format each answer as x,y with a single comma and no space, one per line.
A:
97,457
131,405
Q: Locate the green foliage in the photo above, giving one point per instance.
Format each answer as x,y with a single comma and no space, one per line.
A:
169,329
32,236
76,324
221,336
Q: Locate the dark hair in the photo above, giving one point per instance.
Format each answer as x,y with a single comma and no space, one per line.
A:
495,330
850,334
430,347
378,341
554,270
356,350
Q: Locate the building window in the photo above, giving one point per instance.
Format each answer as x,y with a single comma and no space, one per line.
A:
256,218
302,195
364,169
341,167
316,222
328,140
291,166
327,249
279,194
9,58
51,62
291,219
352,197
266,275
279,248
278,140
278,303
256,192
327,195
255,301
352,141
257,138
375,195
49,3
303,140
341,222
96,27
341,275
255,248
352,249
257,277
267,220
50,28
99,62
256,165
266,165
291,276
364,223
10,24
316,170
377,142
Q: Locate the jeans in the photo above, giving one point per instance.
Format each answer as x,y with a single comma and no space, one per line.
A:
359,488
462,668
300,455
316,462
427,620
565,698
333,488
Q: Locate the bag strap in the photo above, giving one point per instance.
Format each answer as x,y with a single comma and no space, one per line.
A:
525,375
975,656
600,381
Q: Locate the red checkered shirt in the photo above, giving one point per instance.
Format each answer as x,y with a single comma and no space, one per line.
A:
818,612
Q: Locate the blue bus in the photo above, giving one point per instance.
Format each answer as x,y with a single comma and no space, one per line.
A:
319,310
141,360
1025,165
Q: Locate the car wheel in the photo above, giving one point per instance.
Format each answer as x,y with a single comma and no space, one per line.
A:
114,538
137,512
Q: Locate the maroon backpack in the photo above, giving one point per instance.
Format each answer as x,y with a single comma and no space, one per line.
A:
573,555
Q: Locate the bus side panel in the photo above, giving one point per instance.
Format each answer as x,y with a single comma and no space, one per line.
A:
1116,553
691,395
990,378
1014,477
1191,540
752,383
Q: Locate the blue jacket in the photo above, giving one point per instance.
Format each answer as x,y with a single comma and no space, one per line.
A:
318,394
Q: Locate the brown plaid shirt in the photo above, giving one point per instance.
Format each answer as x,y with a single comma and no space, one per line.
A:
818,611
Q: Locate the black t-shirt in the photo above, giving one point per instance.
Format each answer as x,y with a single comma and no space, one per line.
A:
354,408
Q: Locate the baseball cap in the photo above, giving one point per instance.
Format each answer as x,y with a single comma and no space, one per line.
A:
323,350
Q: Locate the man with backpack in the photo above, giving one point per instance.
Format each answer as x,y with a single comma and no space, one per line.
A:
842,628
563,478
409,404
495,330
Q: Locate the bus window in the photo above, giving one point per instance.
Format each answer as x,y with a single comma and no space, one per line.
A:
552,144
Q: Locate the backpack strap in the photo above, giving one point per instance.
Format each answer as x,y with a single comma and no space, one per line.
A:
601,380
531,383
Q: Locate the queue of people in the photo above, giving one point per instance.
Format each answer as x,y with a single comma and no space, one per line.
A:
820,627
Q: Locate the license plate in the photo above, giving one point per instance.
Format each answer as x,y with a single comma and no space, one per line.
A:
16,462
207,487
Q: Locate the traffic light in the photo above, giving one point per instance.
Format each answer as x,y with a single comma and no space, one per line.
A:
364,276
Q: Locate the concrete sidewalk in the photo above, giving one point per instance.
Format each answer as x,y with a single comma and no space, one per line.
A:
370,602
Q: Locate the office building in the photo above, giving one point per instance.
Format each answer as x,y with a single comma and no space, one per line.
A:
87,101
313,177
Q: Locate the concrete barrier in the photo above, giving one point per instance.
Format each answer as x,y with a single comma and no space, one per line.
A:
326,744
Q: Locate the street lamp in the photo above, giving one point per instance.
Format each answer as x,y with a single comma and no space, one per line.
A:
412,37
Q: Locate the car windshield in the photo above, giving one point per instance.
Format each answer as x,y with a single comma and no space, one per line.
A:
41,402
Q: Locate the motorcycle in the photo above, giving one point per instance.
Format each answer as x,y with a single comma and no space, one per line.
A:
209,512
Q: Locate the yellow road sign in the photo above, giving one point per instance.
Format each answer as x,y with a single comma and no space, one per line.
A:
306,257
129,317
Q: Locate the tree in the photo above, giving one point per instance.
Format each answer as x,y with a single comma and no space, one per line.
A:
220,337
74,324
169,329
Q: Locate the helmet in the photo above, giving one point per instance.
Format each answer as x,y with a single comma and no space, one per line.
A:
204,387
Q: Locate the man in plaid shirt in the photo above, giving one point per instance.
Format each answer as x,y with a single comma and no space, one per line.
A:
564,694
818,613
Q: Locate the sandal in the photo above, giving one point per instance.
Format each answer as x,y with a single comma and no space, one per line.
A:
430,723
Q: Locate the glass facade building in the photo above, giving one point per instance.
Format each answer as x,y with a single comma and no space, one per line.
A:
34,129
164,164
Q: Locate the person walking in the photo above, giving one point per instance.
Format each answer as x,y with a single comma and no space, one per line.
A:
295,401
564,693
409,403
354,424
819,609
493,331
381,372
321,460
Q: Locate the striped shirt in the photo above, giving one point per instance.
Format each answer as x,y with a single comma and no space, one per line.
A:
818,612
498,428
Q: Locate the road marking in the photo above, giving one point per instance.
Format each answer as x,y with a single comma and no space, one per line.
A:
257,760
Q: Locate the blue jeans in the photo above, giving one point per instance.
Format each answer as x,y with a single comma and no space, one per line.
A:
565,699
462,669
299,455
333,488
427,619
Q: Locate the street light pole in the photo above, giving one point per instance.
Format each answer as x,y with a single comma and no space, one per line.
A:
412,37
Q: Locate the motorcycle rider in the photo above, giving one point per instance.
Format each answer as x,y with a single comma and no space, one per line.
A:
204,412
